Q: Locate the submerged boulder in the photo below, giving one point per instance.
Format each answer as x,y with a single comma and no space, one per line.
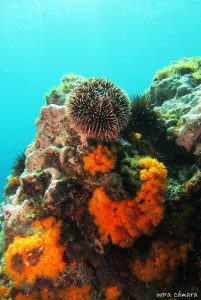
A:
176,94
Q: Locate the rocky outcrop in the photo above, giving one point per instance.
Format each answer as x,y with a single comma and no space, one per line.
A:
176,94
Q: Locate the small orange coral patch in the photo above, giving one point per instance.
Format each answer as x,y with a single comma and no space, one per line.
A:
33,296
70,293
162,262
126,220
35,256
110,218
112,293
100,160
78,293
4,291
13,181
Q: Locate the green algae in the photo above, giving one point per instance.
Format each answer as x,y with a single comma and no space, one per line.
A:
57,95
184,66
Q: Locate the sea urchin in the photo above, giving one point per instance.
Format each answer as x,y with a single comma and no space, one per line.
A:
98,109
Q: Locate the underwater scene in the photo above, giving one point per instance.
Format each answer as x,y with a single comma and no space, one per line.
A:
100,149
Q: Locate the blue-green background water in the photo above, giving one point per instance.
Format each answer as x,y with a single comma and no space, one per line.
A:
123,40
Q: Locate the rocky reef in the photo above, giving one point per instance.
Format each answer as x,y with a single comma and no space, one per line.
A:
176,93
104,204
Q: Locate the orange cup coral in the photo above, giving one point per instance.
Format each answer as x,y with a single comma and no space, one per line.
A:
33,296
162,262
100,160
13,181
40,255
77,293
4,291
70,293
124,221
112,293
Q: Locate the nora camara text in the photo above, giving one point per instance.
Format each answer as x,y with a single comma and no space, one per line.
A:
176,295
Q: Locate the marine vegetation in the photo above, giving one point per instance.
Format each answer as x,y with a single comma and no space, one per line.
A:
182,67
105,202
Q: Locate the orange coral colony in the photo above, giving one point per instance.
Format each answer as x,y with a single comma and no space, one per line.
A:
33,296
70,293
13,181
76,293
4,291
100,160
162,262
126,220
112,293
39,255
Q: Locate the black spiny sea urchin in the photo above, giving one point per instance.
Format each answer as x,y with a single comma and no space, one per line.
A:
19,165
98,109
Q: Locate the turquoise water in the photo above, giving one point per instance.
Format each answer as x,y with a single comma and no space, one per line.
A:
125,41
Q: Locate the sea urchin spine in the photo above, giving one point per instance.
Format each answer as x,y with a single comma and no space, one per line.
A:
98,109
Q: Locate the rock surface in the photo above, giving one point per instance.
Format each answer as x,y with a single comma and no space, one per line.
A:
176,94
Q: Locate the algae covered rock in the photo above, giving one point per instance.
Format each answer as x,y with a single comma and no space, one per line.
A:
176,94
58,94
103,210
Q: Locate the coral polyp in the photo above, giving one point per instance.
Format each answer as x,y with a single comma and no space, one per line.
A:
98,109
